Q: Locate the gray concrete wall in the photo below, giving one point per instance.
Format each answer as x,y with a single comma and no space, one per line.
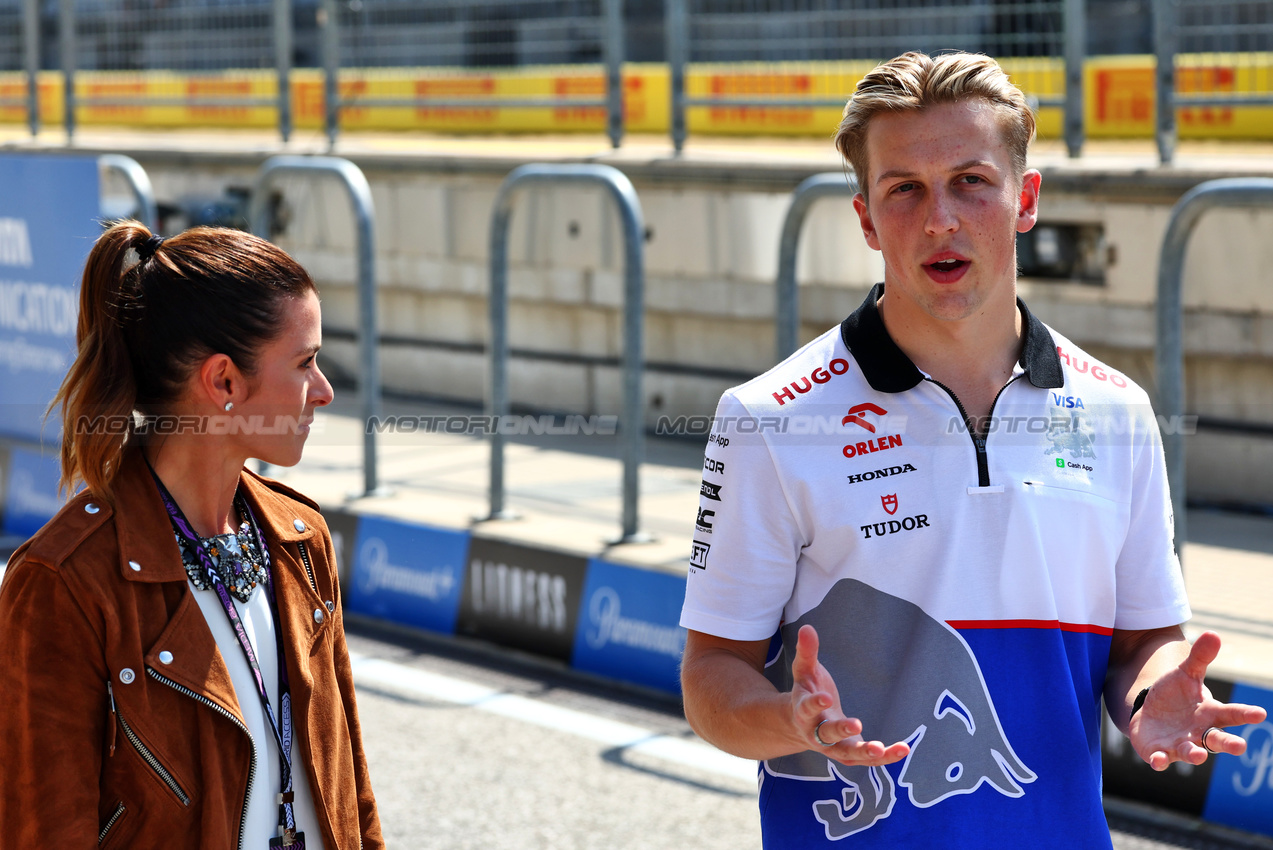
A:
711,258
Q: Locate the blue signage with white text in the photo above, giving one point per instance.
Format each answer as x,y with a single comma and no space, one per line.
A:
50,210
31,497
1241,792
410,574
629,625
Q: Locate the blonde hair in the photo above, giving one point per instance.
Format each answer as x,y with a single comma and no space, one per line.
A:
916,81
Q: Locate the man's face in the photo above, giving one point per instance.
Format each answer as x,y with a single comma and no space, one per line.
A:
945,209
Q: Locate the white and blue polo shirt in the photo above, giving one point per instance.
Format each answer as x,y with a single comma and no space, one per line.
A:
965,590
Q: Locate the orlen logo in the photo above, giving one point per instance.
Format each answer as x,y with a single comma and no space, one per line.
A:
1081,366
855,415
820,375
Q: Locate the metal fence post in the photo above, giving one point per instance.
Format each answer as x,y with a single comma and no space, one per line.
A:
31,57
1166,41
66,34
283,60
355,183
625,198
1075,52
138,181
676,21
329,31
1169,355
613,40
787,311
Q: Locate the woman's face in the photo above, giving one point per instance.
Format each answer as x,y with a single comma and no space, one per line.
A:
287,386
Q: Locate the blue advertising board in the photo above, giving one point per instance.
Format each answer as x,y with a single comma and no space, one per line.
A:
50,210
629,625
31,496
410,574
1241,792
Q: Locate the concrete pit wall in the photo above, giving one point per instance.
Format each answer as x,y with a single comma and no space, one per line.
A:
711,257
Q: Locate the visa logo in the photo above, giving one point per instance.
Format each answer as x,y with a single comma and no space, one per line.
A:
1067,401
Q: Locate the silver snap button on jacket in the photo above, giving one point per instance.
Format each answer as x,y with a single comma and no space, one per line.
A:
298,525
165,657
318,615
127,675
136,567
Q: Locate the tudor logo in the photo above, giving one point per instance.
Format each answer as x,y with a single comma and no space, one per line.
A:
856,419
890,503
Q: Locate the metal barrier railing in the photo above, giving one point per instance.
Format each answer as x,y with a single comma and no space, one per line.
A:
1173,36
1240,192
881,33
138,183
359,192
787,311
612,49
282,26
633,429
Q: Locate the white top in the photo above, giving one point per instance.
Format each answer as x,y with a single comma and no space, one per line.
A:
261,817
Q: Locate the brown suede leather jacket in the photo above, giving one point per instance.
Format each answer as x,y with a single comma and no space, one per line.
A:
97,596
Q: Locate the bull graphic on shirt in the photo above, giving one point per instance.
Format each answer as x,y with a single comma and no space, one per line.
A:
907,677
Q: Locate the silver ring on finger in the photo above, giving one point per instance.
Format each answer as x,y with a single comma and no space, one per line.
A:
1205,745
817,737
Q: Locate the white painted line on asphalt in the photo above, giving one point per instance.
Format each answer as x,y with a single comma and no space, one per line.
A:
398,678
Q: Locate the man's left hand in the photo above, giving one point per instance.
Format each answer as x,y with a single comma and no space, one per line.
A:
1179,711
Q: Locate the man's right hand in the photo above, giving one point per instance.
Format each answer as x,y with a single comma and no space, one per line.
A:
815,709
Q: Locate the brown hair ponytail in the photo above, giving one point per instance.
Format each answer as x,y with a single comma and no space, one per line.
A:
150,310
99,392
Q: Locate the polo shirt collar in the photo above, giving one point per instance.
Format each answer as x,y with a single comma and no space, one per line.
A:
888,370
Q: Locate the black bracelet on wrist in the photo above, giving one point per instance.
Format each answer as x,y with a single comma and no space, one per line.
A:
1140,700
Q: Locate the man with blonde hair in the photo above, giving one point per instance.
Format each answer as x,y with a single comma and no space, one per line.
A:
912,624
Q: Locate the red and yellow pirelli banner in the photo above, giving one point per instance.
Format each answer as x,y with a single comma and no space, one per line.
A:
1120,100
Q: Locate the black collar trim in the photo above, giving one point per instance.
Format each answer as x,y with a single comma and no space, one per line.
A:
888,370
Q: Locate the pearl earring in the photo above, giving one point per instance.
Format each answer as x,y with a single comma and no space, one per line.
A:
229,405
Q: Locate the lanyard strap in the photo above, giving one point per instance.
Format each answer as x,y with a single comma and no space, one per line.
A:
282,731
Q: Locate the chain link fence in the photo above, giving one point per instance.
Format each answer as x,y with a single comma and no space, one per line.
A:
1194,83
835,41
776,57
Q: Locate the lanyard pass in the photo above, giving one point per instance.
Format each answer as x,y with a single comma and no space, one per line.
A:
289,838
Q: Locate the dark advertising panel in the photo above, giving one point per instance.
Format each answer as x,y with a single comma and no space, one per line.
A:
522,597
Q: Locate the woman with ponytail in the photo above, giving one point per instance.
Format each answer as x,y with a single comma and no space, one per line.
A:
171,645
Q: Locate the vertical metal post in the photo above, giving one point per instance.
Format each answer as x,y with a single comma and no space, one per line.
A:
613,37
359,192
497,406
1169,356
31,54
283,60
138,181
66,27
1075,52
787,308
1166,43
676,21
330,35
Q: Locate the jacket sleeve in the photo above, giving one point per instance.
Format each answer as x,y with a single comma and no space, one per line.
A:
54,712
368,816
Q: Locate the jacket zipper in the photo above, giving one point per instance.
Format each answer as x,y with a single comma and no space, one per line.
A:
200,698
309,571
145,753
110,823
978,440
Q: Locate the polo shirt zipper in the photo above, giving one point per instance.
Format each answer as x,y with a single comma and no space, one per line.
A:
978,441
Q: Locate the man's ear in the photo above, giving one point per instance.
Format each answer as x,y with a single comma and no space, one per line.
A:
864,218
1028,201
